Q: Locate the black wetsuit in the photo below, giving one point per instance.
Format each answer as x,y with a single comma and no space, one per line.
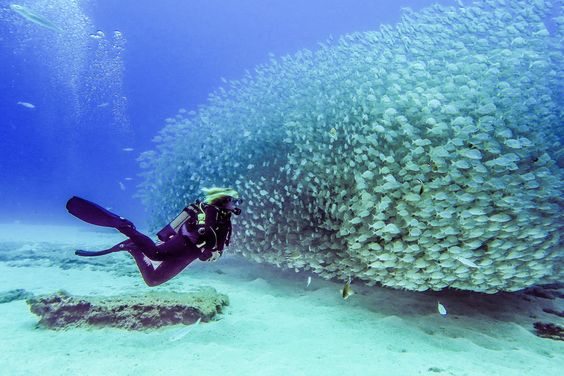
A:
174,254
179,251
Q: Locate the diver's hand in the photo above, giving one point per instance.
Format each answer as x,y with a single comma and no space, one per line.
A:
214,257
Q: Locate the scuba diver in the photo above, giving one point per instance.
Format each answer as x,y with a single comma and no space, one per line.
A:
200,231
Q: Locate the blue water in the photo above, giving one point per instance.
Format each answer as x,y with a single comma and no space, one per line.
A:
95,96
419,165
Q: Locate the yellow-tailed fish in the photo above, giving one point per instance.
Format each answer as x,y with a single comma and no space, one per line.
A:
333,133
347,290
294,255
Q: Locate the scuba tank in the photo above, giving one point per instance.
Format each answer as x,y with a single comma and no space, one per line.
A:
172,228
195,212
195,215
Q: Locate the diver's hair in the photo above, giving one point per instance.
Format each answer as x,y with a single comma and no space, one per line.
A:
216,193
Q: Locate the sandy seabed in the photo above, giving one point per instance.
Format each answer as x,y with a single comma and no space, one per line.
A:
274,325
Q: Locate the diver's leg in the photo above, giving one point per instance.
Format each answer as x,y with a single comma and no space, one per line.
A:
162,273
174,247
145,243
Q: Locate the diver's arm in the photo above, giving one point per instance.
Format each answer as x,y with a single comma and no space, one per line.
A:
208,232
211,217
228,236
215,255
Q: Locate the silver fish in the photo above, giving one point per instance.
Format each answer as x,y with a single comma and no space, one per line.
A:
183,332
26,104
347,290
441,308
34,17
466,262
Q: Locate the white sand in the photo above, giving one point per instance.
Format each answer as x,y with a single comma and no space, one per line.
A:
273,326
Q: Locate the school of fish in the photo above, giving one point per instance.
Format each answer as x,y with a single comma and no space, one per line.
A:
421,156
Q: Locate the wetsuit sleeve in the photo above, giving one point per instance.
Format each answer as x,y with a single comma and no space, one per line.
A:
210,236
217,231
228,236
224,234
211,219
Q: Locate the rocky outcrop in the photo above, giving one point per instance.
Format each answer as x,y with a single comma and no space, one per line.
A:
133,312
11,295
548,330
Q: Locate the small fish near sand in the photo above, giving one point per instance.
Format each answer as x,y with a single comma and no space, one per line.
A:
26,105
183,332
441,308
308,281
347,290
34,17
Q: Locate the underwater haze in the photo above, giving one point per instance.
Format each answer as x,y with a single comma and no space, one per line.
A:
108,81
282,187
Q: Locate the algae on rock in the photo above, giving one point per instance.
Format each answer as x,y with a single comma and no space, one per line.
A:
134,312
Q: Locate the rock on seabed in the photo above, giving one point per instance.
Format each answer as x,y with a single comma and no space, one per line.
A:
133,312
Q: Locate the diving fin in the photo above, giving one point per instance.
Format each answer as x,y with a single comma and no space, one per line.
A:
94,213
116,248
80,252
